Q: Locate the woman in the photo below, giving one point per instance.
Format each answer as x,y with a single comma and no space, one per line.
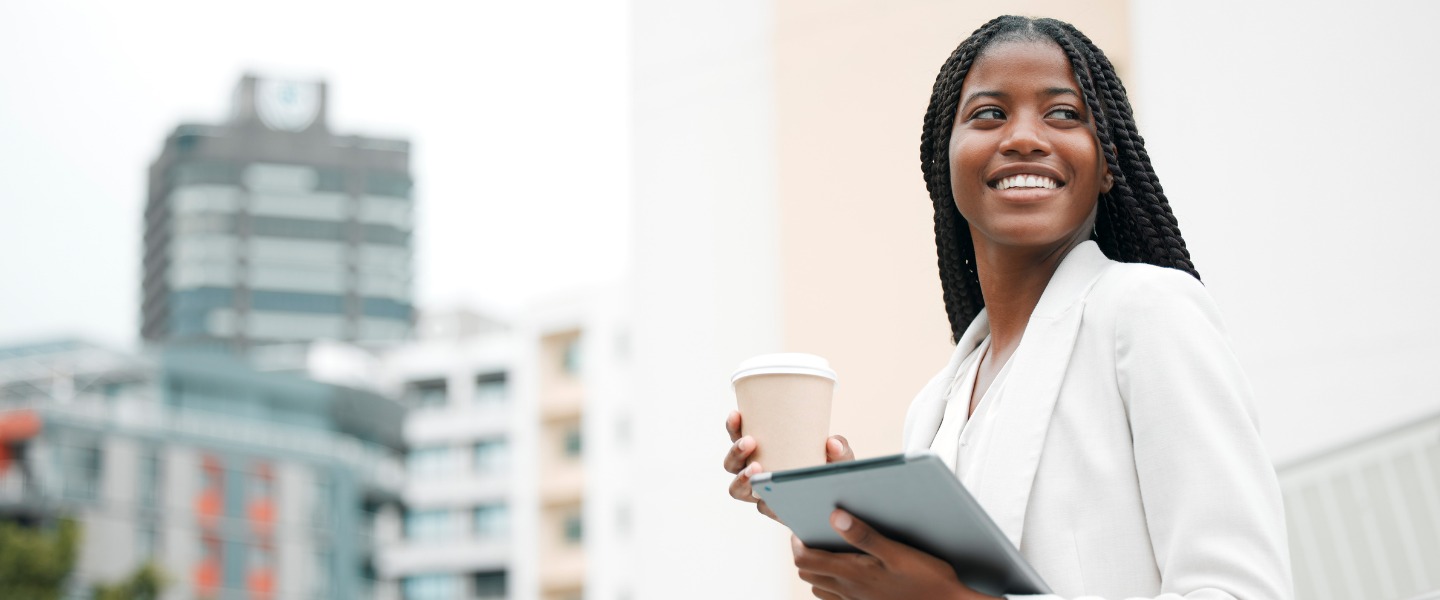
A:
1092,405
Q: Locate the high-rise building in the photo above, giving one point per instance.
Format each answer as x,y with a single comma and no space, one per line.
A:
270,229
235,483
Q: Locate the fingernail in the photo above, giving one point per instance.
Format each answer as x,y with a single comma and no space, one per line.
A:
835,447
843,521
752,470
754,495
746,443
795,544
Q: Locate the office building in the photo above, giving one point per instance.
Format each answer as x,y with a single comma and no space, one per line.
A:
270,229
237,484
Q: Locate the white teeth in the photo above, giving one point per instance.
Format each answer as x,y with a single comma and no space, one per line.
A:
1026,181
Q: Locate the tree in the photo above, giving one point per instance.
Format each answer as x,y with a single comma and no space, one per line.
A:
145,583
35,562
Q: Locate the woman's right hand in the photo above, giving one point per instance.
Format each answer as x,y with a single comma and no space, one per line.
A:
737,462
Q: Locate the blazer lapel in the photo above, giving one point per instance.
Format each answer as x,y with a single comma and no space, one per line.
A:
928,408
1032,387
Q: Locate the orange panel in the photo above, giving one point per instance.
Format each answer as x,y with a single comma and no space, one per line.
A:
207,578
262,515
18,425
261,584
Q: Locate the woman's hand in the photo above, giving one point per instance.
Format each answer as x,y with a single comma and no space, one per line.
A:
884,569
737,461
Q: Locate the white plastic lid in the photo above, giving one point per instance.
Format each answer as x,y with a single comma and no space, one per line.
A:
783,363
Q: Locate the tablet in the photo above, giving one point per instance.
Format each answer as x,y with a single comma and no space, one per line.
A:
911,498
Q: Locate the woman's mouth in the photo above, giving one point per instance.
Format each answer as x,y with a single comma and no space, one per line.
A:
1025,181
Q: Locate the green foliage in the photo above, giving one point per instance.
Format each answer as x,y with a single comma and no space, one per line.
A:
145,583
34,563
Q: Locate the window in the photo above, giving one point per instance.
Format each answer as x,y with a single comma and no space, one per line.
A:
148,483
428,525
433,461
573,441
491,456
570,358
262,481
147,541
81,470
492,521
320,575
490,389
489,585
321,507
428,393
573,528
436,586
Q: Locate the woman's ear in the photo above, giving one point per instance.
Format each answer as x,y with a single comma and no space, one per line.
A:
1107,182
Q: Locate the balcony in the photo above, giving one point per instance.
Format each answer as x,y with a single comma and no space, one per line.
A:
459,555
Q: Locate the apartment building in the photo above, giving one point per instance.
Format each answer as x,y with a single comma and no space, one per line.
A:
237,484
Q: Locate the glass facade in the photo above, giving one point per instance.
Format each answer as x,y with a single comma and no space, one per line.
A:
491,456
423,525
434,461
436,586
492,521
253,238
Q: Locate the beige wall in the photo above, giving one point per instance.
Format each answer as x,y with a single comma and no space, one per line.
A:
561,476
859,282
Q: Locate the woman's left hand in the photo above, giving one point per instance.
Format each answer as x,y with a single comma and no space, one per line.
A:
883,569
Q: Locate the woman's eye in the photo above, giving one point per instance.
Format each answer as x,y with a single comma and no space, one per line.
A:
988,113
1068,114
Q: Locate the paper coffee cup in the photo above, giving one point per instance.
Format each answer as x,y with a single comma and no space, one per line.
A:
784,404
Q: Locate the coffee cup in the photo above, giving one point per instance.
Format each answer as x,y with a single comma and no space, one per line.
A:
784,404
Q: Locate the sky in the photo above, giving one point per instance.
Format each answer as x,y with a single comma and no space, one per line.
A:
516,112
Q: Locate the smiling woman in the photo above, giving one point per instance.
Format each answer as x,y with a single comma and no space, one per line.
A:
1092,405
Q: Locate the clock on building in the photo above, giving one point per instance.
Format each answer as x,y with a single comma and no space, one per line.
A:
287,105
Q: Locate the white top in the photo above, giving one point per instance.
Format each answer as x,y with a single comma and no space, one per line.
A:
1126,462
963,439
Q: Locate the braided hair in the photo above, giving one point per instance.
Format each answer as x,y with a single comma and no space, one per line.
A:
1134,222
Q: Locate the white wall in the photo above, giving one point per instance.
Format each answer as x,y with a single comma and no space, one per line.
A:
705,289
1296,142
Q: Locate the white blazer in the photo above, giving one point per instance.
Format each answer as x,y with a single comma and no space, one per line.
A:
1126,462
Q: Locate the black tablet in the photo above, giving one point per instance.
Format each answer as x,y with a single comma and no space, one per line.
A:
911,498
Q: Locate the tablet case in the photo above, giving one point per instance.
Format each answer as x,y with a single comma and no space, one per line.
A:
912,498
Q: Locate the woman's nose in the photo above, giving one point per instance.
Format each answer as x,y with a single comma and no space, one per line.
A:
1024,137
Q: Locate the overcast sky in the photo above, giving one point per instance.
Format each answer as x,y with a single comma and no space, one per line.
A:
514,109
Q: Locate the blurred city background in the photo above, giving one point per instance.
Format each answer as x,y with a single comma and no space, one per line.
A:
334,300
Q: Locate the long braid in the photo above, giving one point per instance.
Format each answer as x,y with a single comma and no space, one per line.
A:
1134,222
959,283
1169,250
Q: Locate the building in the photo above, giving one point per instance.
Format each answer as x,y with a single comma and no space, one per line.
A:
1364,518
581,432
269,228
517,446
237,484
455,380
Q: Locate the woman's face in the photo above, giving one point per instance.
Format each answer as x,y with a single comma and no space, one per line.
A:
1025,166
